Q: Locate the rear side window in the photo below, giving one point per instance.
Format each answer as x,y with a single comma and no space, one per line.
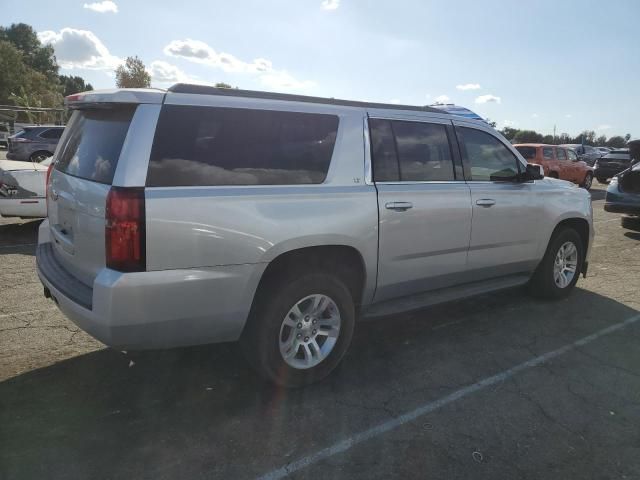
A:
93,144
52,133
547,153
488,157
528,153
572,155
410,151
228,146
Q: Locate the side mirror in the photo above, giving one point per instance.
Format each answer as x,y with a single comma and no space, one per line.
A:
534,172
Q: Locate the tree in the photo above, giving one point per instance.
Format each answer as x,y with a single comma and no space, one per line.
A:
509,132
616,142
548,139
528,136
601,141
35,55
627,137
73,84
132,74
222,85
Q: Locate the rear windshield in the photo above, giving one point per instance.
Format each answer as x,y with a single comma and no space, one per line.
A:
527,152
93,144
229,146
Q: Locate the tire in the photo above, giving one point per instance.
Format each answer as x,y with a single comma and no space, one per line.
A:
603,180
588,181
41,156
272,320
630,223
544,284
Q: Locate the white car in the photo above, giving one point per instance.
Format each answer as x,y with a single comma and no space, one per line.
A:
22,189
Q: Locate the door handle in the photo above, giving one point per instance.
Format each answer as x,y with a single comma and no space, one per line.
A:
486,202
398,206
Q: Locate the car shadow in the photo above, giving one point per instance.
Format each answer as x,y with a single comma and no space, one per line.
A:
201,412
597,194
19,237
632,235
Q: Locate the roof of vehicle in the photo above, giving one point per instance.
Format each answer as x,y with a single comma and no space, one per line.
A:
538,145
235,92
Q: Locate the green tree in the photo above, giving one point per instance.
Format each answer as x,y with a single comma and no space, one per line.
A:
132,74
509,133
35,55
616,142
528,136
548,139
627,137
73,84
12,70
601,141
222,85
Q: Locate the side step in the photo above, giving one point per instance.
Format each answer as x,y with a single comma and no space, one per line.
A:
443,295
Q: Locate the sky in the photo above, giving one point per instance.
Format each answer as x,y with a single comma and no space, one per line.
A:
537,64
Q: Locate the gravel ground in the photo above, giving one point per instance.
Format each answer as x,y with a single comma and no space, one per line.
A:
72,408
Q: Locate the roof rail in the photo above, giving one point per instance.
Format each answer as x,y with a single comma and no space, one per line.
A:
235,92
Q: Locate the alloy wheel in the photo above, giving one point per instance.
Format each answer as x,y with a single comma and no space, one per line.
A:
565,265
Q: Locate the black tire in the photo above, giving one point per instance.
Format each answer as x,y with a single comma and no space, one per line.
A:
603,180
588,181
543,284
40,156
260,339
630,223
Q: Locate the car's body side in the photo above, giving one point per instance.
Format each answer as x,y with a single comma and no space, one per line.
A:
210,248
22,189
33,141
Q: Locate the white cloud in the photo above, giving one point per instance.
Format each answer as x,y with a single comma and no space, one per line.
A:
568,115
488,99
509,123
199,52
468,86
162,71
79,49
330,4
534,115
102,7
442,99
603,127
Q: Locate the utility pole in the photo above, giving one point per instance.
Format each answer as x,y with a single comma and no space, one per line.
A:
554,133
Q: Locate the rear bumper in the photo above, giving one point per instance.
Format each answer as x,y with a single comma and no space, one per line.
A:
158,309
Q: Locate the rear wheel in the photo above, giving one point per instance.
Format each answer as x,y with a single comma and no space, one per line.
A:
560,267
603,180
588,181
299,330
38,157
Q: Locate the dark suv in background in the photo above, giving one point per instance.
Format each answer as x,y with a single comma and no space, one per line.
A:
586,153
35,143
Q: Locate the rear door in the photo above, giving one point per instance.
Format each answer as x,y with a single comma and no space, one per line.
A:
50,138
424,206
504,230
80,181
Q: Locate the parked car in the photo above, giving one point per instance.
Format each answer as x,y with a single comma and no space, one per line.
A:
603,150
623,196
35,143
265,218
586,153
612,164
22,189
4,135
558,162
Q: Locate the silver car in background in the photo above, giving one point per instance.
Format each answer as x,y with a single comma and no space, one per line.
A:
199,215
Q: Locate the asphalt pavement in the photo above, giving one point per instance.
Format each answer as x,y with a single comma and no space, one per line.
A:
501,386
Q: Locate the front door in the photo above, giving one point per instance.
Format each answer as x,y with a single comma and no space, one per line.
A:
424,209
504,230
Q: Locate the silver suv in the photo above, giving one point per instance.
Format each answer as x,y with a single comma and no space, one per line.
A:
199,215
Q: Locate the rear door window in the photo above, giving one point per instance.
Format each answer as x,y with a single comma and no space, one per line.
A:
92,147
572,155
383,151
562,155
547,153
52,133
210,146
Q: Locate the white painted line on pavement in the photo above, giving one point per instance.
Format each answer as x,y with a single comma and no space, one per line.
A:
348,443
24,312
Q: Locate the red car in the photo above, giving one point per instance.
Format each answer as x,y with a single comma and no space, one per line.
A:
558,162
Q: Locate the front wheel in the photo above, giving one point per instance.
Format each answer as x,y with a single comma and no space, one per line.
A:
558,272
588,181
299,330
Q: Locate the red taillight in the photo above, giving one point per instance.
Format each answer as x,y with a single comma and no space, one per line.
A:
46,185
125,229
